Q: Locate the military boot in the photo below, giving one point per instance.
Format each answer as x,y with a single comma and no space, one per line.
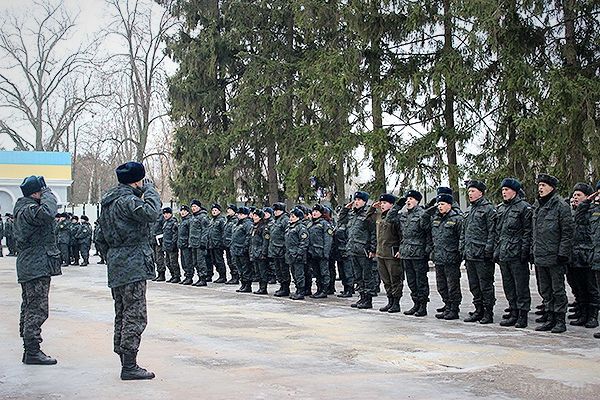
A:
160,277
442,312
33,355
283,291
583,316
187,281
247,288
360,301
346,293
319,295
221,279
541,309
200,282
388,305
451,312
522,319
262,288
542,319
367,303
592,321
299,295
84,263
174,279
233,281
559,326
508,314
130,371
395,308
412,310
488,316
511,320
597,335
549,324
422,311
477,314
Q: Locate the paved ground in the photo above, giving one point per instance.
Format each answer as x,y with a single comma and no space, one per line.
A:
212,343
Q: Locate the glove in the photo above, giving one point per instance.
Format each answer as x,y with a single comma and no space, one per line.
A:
401,202
42,182
431,203
431,211
563,260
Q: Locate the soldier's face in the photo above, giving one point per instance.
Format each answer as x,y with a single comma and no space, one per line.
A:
277,213
167,215
242,216
544,189
443,207
577,198
183,213
215,212
474,194
316,214
195,208
230,212
385,206
358,203
255,218
411,203
267,215
293,218
508,193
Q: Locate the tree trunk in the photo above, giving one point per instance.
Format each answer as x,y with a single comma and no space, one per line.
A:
449,126
379,151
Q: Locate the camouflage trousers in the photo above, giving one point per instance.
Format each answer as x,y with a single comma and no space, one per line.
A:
34,310
159,257
131,316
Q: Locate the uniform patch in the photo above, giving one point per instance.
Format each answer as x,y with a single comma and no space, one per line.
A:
330,231
303,235
267,236
450,223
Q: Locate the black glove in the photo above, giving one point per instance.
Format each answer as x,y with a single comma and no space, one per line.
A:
431,211
431,203
401,202
563,259
42,182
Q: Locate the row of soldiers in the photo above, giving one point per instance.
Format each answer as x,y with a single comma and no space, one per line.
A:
7,231
393,240
74,238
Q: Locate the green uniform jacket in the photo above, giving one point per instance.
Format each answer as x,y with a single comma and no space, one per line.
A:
413,244
296,243
513,231
586,243
362,236
553,229
240,238
258,250
63,232
477,237
183,232
84,234
228,230
38,255
277,236
389,233
170,234
320,238
445,237
199,230
125,221
215,232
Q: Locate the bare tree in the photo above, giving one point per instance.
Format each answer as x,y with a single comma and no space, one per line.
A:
43,83
141,103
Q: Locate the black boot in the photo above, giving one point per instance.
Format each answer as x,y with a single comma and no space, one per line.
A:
359,302
442,313
412,310
221,280
319,295
395,308
592,321
549,324
346,293
388,305
33,355
488,316
160,277
130,371
583,316
451,312
508,314
187,281
522,319
422,311
200,282
262,288
541,309
542,319
476,315
597,335
284,290
175,279
511,320
367,303
233,281
442,309
299,295
559,326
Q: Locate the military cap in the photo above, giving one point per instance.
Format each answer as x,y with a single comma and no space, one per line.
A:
548,179
477,185
31,185
259,213
445,198
184,207
75,217
362,195
327,210
130,172
85,218
217,206
298,213
415,194
445,190
511,183
232,207
319,207
389,198
583,188
167,210
279,206
268,210
243,210
195,202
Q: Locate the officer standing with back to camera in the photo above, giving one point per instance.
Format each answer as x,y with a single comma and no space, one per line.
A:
84,240
128,211
38,259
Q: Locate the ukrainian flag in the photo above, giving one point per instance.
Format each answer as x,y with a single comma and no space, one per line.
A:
19,164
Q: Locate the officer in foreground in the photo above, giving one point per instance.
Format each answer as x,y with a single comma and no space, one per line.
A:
38,259
128,211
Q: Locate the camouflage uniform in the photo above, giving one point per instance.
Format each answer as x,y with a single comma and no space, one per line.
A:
159,255
127,214
99,247
277,249
215,247
296,243
198,238
63,238
84,241
320,235
183,240
340,254
227,232
240,244
38,259
170,247
73,243
10,238
258,253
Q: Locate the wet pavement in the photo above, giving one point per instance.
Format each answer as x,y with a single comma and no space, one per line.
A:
213,343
